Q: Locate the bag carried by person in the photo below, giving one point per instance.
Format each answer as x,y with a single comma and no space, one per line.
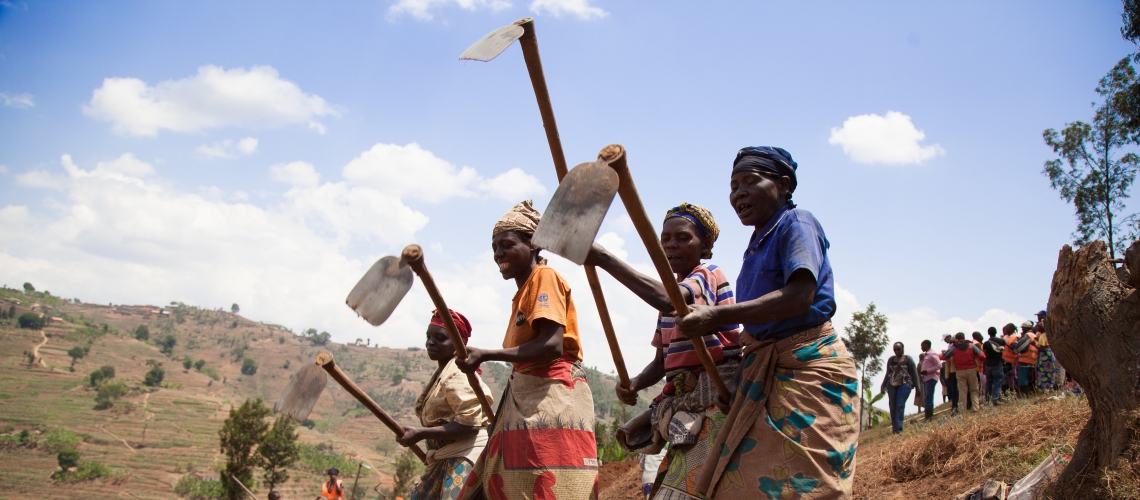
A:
1021,344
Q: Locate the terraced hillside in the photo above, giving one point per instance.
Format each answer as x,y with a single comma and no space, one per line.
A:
153,437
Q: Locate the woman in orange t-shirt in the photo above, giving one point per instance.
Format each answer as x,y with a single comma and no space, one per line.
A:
542,439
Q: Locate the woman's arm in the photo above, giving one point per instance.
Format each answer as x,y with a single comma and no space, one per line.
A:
792,300
450,431
914,376
652,373
648,289
545,347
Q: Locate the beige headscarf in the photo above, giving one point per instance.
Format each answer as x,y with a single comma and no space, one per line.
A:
522,218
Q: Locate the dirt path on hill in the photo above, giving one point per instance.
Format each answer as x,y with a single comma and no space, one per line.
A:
119,438
36,350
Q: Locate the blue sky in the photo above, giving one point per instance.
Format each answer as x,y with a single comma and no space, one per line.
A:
266,153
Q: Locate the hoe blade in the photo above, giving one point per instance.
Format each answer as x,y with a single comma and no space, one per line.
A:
490,46
302,393
378,293
576,211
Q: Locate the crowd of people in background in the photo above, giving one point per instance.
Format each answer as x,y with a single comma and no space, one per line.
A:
974,371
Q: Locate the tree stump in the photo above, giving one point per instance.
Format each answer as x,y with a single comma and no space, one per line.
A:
1093,326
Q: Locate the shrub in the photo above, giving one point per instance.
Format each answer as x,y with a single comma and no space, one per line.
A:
192,487
249,367
142,333
96,377
154,377
167,344
321,458
199,364
58,438
31,321
187,363
212,373
108,394
68,458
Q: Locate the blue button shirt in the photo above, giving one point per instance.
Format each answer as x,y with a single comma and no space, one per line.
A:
791,240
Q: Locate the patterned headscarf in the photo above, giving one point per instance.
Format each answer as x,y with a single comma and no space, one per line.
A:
461,324
701,218
522,218
768,160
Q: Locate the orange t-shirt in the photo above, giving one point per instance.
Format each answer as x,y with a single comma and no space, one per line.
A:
544,295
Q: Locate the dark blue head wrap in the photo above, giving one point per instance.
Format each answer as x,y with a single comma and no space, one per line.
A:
767,160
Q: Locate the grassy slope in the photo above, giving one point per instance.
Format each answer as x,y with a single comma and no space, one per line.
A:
158,436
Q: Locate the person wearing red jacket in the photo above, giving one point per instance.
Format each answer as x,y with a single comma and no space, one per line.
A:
965,355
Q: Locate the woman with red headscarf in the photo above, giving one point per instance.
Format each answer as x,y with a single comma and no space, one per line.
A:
454,424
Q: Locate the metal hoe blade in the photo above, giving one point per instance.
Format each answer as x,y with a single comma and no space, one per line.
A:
302,393
378,293
490,46
575,213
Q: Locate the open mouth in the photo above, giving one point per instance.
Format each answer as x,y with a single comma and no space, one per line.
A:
743,208
504,265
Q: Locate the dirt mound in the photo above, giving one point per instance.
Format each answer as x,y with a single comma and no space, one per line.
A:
620,481
942,459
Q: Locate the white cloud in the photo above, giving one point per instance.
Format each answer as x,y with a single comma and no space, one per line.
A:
423,9
228,148
297,173
413,172
890,140
121,233
512,185
213,98
18,101
580,9
3,170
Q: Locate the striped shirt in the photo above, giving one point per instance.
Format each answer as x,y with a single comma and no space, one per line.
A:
709,287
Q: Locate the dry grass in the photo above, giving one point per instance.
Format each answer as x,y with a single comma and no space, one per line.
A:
1121,483
951,456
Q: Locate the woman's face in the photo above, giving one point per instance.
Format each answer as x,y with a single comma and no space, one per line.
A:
756,197
683,245
898,350
513,255
438,344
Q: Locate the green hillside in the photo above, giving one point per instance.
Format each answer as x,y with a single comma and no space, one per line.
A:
155,436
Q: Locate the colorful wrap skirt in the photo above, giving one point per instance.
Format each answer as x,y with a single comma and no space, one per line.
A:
792,430
442,480
542,444
1050,375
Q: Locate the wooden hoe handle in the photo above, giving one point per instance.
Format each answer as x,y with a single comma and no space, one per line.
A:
529,44
325,360
614,154
414,256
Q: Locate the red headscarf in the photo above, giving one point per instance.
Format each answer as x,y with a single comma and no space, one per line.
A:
461,324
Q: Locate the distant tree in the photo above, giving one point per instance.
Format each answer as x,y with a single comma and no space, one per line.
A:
249,367
278,451
108,394
866,339
67,458
12,311
31,321
187,363
320,338
199,364
167,344
1092,173
28,288
408,468
240,434
154,377
359,340
234,308
76,353
31,358
142,332
104,373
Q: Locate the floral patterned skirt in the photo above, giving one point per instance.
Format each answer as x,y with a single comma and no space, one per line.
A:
792,431
1049,374
443,480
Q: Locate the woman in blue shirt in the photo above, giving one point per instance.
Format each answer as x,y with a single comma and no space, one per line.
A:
791,430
